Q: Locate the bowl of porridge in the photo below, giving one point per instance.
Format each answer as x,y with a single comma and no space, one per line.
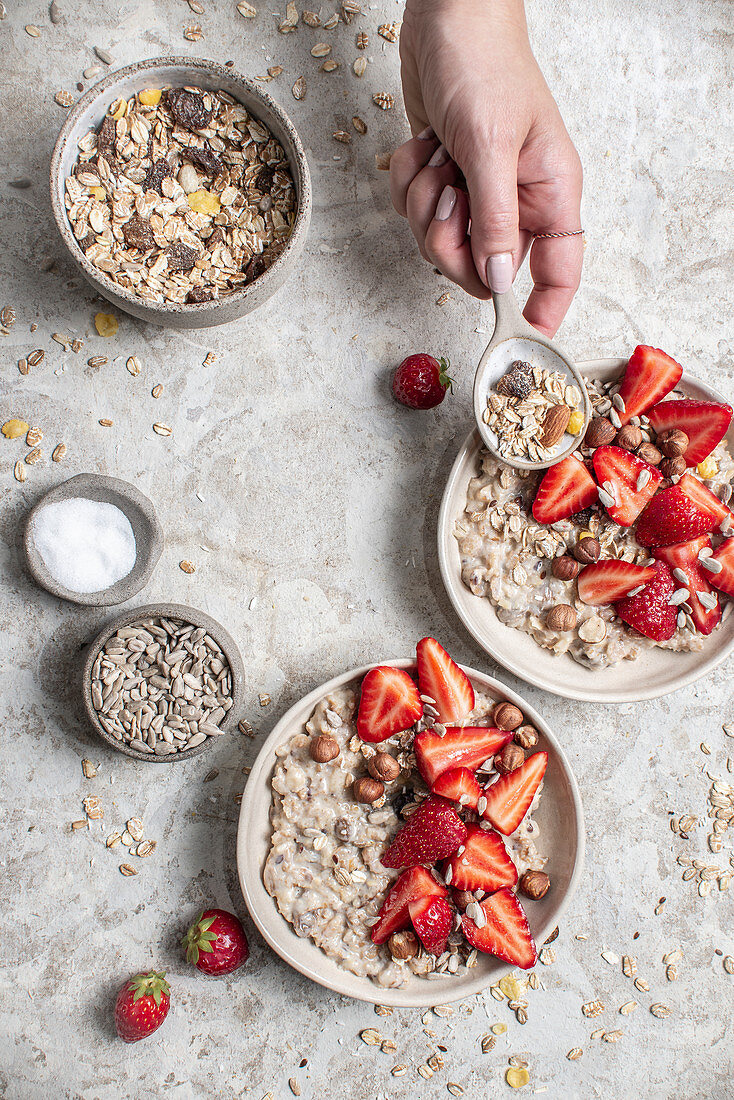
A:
182,191
309,845
497,564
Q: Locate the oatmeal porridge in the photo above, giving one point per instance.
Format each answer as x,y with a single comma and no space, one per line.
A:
324,869
508,557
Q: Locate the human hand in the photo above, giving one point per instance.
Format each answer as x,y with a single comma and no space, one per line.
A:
490,145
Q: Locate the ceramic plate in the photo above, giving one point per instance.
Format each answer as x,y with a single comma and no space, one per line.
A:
559,816
655,673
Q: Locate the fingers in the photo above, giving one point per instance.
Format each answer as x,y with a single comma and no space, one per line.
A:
495,237
424,193
405,164
447,245
555,265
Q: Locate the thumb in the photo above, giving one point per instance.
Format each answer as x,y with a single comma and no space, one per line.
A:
491,179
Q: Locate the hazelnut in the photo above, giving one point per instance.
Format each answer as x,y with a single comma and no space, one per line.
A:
561,617
599,432
526,737
672,467
565,568
462,898
403,945
509,758
368,790
587,549
383,766
649,453
673,442
323,748
507,716
535,884
629,437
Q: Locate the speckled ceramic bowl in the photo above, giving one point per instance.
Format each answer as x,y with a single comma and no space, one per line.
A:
176,72
559,816
167,611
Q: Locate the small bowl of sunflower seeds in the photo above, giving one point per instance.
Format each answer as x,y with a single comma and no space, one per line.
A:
181,191
162,682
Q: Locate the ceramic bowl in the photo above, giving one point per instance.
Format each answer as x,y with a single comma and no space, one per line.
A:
143,520
656,672
178,71
560,818
167,611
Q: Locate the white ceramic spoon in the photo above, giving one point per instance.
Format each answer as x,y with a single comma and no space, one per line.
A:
513,338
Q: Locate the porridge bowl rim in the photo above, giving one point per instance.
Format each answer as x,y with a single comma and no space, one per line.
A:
654,673
561,803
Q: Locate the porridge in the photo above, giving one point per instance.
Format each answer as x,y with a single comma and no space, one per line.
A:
324,867
529,569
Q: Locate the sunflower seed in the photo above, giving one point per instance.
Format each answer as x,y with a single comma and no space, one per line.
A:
660,1010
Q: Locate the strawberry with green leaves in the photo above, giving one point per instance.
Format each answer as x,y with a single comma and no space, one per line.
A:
142,1006
216,942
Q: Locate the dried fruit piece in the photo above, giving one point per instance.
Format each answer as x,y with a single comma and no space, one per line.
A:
203,159
150,97
517,1077
204,202
106,134
156,174
188,109
106,324
138,234
14,429
181,257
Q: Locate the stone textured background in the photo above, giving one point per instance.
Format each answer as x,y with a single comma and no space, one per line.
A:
317,496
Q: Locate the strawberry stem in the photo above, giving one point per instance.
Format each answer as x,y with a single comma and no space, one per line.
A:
443,375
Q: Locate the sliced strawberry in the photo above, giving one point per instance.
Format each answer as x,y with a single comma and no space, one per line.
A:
482,864
459,785
390,702
506,933
629,480
648,376
610,579
414,883
704,422
650,611
672,516
696,491
433,832
441,678
460,747
509,797
566,488
432,919
683,556
724,556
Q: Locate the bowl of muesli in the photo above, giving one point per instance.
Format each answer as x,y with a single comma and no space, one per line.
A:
182,192
607,578
407,838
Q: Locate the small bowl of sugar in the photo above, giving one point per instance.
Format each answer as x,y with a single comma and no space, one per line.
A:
93,540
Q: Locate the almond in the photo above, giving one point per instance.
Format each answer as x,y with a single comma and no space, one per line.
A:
554,425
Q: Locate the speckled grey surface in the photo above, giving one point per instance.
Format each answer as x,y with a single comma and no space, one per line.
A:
317,500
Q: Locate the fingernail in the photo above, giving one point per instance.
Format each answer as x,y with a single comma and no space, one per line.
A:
439,157
427,134
446,204
499,272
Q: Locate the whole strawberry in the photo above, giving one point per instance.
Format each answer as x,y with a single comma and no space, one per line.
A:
421,382
216,942
142,1006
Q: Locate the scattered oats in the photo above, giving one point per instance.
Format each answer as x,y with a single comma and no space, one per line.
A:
612,1036
246,9
114,839
729,729
384,100
388,1046
23,366
186,566
359,67
7,316
399,1071
61,338
597,1033
275,70
311,19
627,1007
127,869
388,31
673,956
209,358
444,298
383,1010
64,99
534,981
592,1008
425,1071
80,824
498,1029
133,366
321,49
145,848
104,55
547,956
294,1086
704,888
382,161
105,422
343,136
88,769
265,699
193,33
329,66
370,1036
659,907
671,973
135,828
162,429
521,1015
92,71
610,957
32,30
359,125
574,1054
97,361
58,452
77,344
728,964
660,1010
705,749
629,966
19,471
362,40
488,1042
454,1089
196,7
299,88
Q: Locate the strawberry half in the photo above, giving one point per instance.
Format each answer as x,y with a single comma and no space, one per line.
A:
696,491
650,611
414,883
724,556
389,702
506,932
441,678
684,557
629,480
509,797
458,785
433,832
432,919
704,422
566,488
460,747
483,864
608,580
649,375
672,516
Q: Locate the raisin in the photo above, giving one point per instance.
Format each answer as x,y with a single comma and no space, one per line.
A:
87,242
157,172
188,109
215,237
516,383
264,181
181,257
106,134
583,518
203,159
198,294
138,234
259,264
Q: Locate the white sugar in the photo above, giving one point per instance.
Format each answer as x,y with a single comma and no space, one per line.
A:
86,545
